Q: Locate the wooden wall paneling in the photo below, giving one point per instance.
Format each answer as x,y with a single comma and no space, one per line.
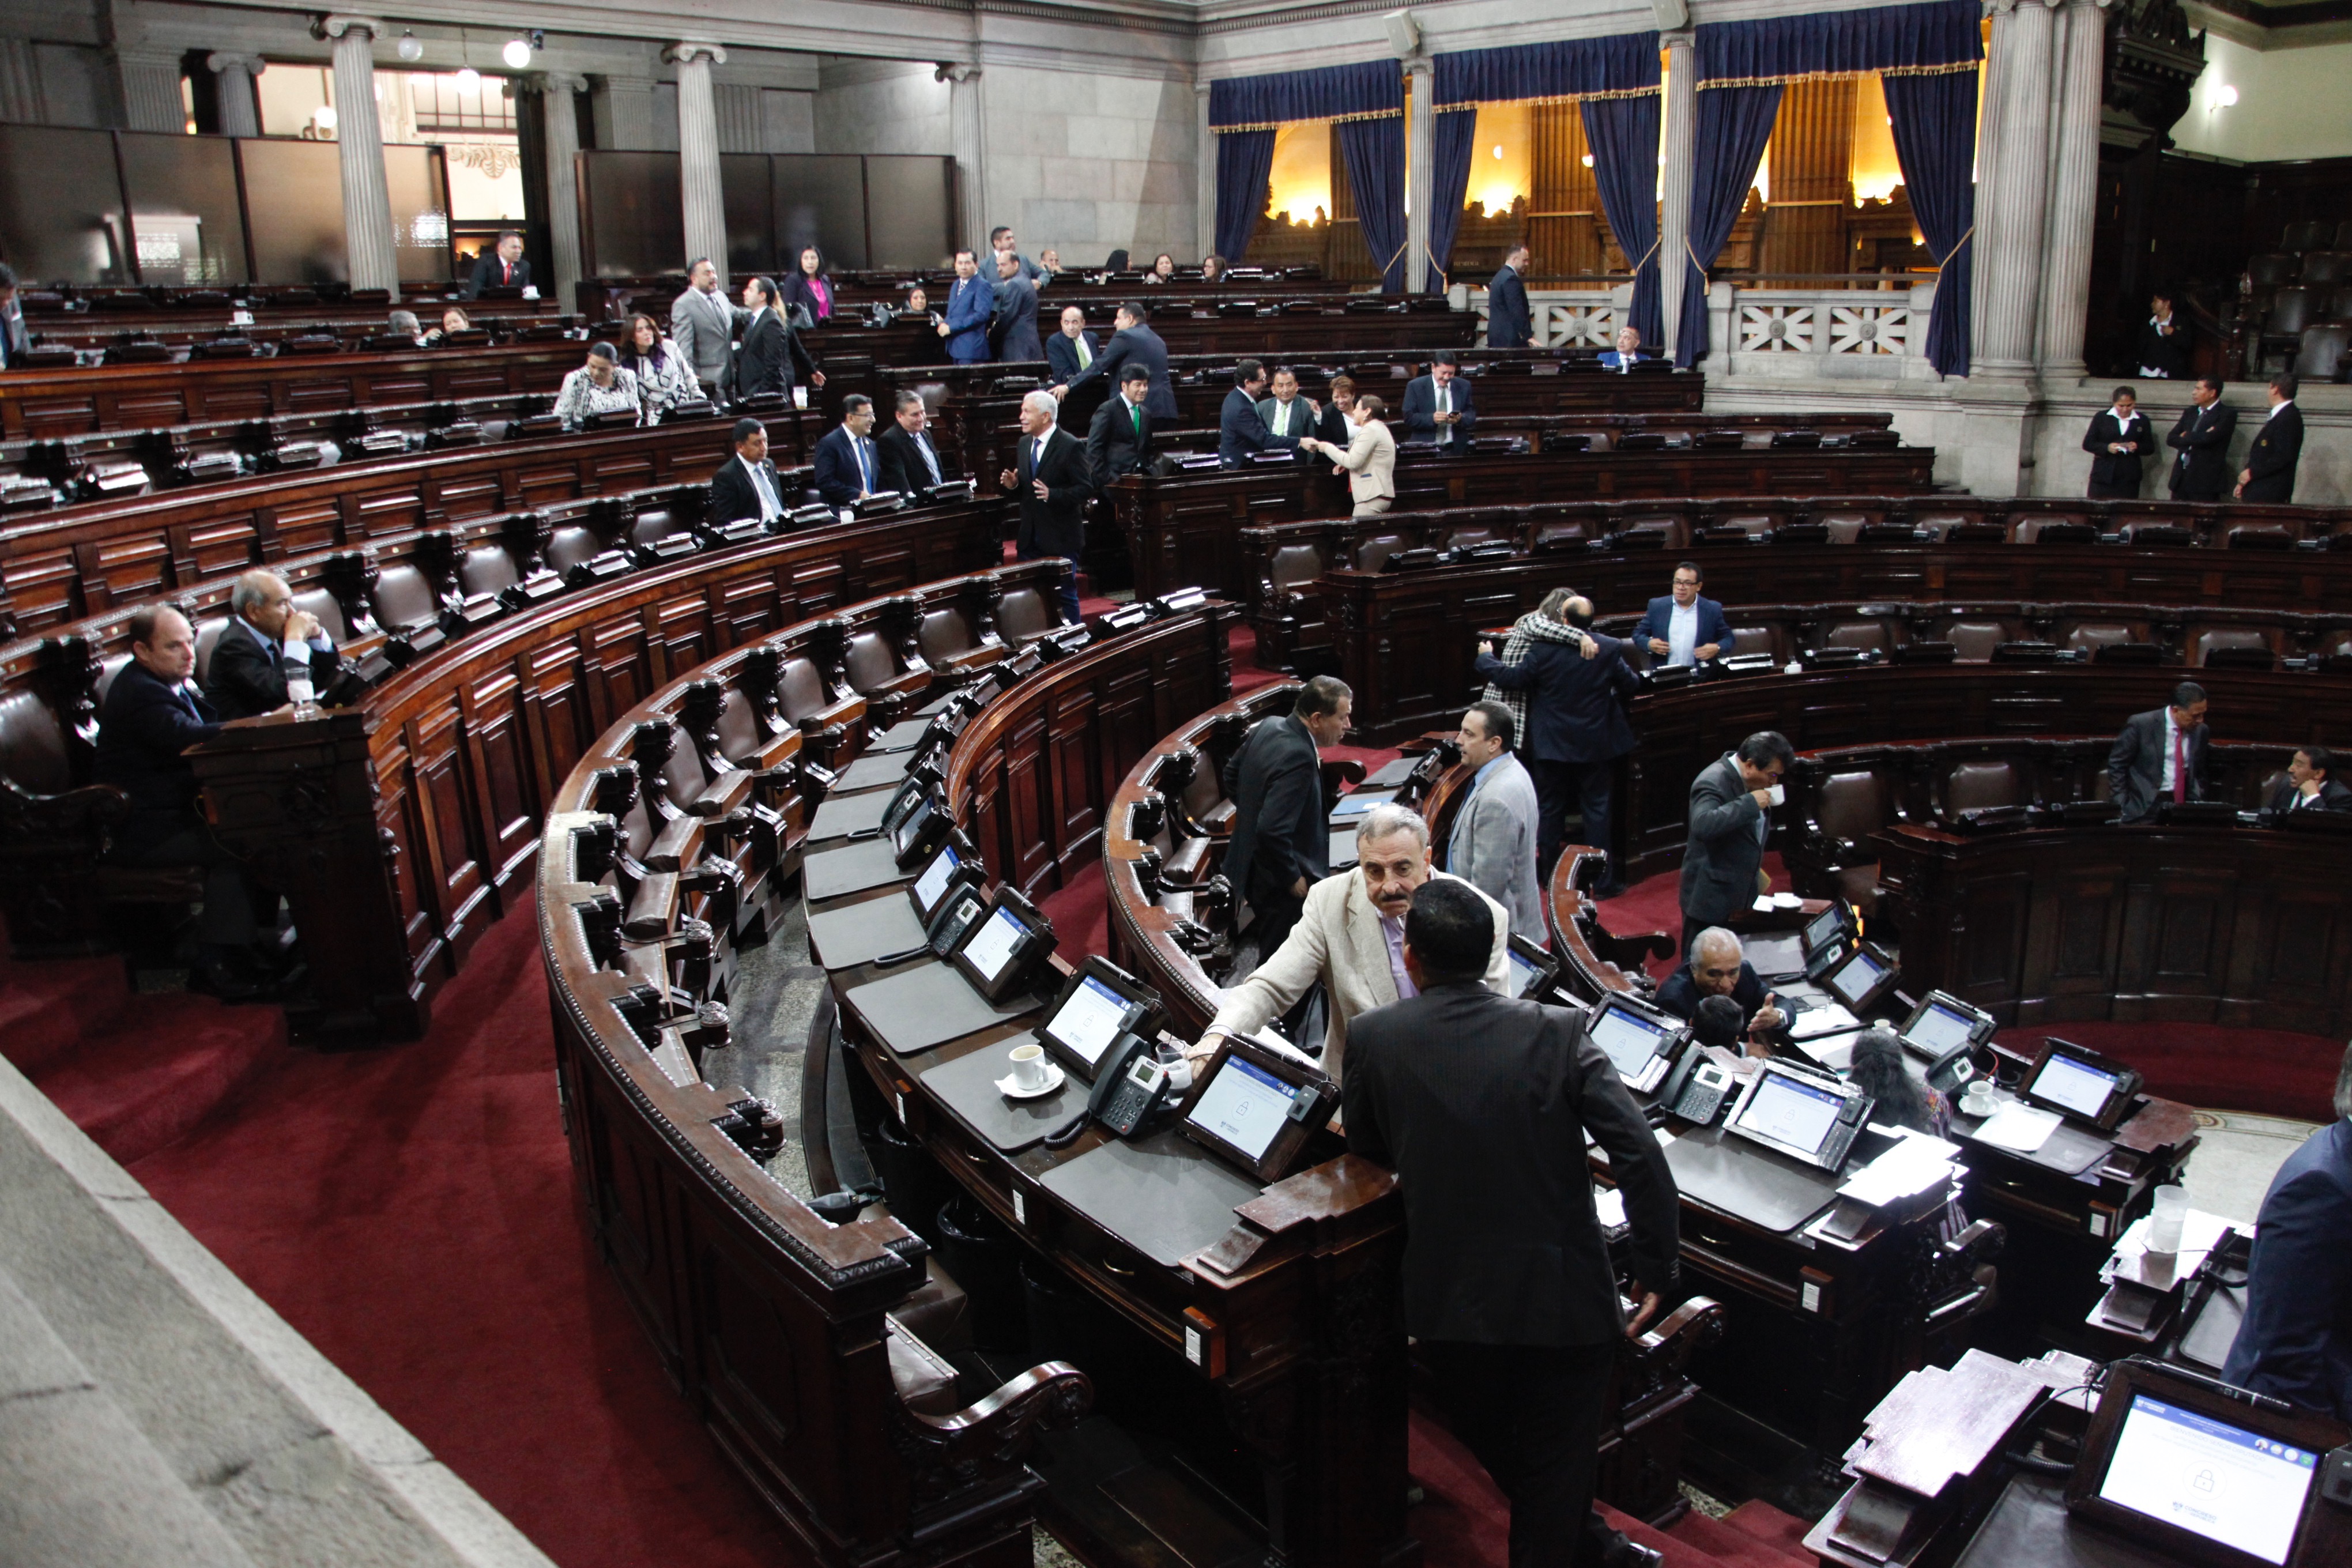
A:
1564,216
1075,740
452,822
562,716
1813,188
499,763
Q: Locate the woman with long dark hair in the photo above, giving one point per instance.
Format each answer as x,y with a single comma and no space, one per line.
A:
1877,1070
662,372
808,288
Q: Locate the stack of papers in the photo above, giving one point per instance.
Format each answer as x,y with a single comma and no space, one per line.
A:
1916,1163
2018,1127
1829,1018
2198,1232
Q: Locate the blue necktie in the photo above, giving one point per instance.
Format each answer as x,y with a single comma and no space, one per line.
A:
864,470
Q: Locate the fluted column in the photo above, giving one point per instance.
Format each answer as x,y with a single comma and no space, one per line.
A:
240,105
367,201
704,203
149,81
2073,190
1420,184
2012,192
967,137
1674,178
1205,185
560,144
22,102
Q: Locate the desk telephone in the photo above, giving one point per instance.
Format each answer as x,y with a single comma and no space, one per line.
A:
1696,1090
959,910
1131,1085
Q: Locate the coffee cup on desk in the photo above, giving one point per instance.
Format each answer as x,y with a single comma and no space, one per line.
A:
1978,1100
1030,1068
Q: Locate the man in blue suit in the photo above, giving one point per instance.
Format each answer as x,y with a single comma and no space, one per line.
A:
2295,1344
1574,683
1133,343
971,305
1438,408
847,465
1508,324
1240,430
1683,628
1626,354
1072,350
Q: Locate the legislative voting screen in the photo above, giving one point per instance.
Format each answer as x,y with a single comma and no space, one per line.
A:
1791,1112
1852,980
1628,1040
1244,1105
1090,1020
2077,1086
2209,1478
934,879
991,947
1939,1030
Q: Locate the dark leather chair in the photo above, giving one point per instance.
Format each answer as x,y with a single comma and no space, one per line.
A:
1979,786
949,642
2309,234
2327,266
1874,633
1027,614
2272,270
2096,635
1373,550
1976,636
1836,857
2206,642
2319,353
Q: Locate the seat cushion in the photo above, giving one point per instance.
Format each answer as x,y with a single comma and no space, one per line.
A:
1977,786
921,1377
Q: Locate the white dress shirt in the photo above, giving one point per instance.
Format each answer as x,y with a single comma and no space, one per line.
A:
2171,742
1681,634
770,508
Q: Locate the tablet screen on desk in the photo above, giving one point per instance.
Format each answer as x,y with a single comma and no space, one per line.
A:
1629,1040
1939,1030
1854,979
1090,1019
2209,1478
1791,1112
933,885
2073,1085
991,947
1245,1106
1360,802
1523,974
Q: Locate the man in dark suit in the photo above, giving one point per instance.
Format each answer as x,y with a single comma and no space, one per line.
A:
1438,406
14,339
1508,324
1119,440
2119,438
849,467
1684,627
2160,755
2310,784
1575,685
1287,416
1466,1094
2268,473
1240,431
771,349
1717,966
152,714
911,463
1014,326
1731,802
1281,836
1069,351
503,268
2295,1343
971,305
1137,344
2202,472
748,485
1049,474
267,643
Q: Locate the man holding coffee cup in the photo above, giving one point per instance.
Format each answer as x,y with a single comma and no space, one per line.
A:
1723,856
269,654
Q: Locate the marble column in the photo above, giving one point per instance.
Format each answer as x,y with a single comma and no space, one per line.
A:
2012,191
737,109
624,110
1677,145
359,137
150,83
22,102
1420,185
559,143
704,203
967,137
240,105
2074,191
1205,185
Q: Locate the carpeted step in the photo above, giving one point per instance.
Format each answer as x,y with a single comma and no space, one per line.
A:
1784,1533
48,1007
163,1066
1717,1541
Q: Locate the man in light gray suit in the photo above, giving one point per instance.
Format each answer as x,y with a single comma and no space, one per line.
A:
703,323
1493,847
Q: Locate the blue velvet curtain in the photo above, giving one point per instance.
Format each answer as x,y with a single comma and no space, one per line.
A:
1624,135
1733,124
1244,161
1453,137
1892,39
1374,149
1570,68
1935,120
1335,92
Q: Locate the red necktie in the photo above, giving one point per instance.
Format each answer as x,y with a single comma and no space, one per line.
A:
506,271
2179,766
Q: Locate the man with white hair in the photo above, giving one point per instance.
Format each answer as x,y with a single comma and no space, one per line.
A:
1051,478
1718,966
267,643
1350,936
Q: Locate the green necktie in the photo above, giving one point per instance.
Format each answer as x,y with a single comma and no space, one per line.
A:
1135,412
1085,359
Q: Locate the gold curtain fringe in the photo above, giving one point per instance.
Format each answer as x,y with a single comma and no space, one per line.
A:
1563,97
1311,119
1952,70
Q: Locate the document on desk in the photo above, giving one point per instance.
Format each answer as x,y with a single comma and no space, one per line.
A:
2021,1128
1915,1163
2198,1232
1828,1018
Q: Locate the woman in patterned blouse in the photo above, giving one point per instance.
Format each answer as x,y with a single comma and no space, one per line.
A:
662,375
600,386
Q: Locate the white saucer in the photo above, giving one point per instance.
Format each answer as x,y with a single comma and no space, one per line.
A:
1011,1090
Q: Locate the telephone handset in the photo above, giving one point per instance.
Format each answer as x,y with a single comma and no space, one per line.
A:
955,914
1697,1088
1130,1084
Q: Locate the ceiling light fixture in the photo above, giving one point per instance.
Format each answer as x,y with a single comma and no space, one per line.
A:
516,54
470,80
2227,97
410,48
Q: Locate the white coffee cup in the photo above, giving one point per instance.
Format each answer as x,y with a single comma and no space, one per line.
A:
1978,1100
1780,795
1029,1067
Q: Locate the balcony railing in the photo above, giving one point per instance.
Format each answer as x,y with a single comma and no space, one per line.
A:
1842,333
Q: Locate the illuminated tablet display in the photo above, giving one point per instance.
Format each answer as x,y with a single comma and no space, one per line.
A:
1356,804
1244,1105
1852,979
933,882
1939,1030
2209,1477
1090,1020
1629,1040
991,948
1523,974
1829,923
2073,1086
1790,1112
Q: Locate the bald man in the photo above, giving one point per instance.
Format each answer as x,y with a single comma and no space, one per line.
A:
267,643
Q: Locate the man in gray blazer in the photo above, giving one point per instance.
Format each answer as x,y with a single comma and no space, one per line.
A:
1493,847
1730,816
2160,755
703,321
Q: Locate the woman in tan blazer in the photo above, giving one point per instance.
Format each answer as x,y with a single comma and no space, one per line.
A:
1369,460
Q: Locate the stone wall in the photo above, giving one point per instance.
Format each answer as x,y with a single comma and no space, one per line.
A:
1089,163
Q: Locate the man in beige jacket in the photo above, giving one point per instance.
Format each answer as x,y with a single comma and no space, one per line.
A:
1370,460
1351,938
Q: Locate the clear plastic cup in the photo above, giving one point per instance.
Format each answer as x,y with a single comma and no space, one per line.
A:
2165,1219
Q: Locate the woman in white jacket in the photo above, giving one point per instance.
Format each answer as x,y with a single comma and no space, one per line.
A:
1369,460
